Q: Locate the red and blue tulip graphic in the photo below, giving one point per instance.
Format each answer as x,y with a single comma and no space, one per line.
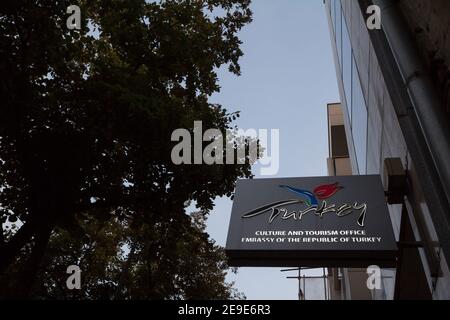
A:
327,191
321,192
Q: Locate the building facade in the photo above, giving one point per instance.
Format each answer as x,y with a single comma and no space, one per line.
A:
392,112
343,283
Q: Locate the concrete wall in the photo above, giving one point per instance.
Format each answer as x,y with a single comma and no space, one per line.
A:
385,138
429,22
384,135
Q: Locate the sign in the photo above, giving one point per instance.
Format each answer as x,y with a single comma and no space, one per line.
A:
311,222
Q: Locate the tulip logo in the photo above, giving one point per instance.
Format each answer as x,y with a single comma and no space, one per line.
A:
311,200
327,191
321,192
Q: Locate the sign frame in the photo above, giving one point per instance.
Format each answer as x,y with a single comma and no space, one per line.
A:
313,205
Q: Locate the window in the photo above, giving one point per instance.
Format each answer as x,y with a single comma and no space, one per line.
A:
339,148
333,13
359,121
347,67
339,31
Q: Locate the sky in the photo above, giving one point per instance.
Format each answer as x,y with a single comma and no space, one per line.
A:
288,78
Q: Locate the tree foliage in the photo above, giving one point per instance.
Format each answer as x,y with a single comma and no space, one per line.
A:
120,262
86,119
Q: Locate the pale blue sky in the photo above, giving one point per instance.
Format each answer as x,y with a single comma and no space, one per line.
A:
288,77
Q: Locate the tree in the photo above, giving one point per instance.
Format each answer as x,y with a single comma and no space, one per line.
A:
87,115
115,264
